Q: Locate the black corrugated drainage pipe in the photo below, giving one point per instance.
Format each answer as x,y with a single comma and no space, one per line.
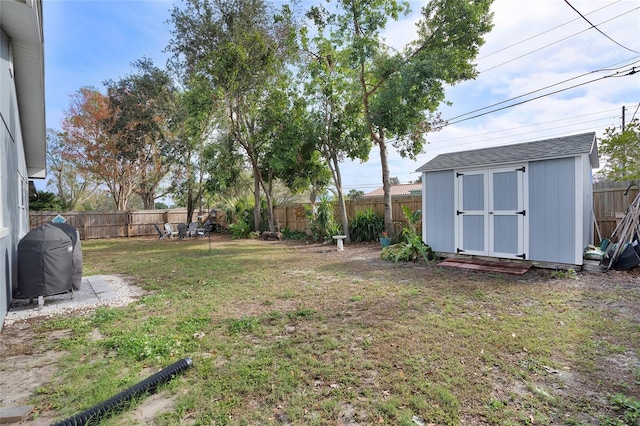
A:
119,401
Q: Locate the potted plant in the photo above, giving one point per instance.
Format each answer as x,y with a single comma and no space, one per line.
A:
385,240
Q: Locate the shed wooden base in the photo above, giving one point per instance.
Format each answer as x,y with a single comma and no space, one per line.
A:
483,265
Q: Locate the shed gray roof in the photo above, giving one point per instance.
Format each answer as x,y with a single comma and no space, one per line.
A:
567,146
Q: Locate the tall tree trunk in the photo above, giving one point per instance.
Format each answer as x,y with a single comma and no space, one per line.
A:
386,187
334,166
257,218
272,224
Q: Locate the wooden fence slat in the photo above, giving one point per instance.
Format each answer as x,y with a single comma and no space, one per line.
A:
609,206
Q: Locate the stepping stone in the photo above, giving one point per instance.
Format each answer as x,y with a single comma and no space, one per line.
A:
14,414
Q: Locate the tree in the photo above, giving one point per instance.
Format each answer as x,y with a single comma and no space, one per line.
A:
241,49
292,155
196,129
622,150
143,109
71,185
45,201
355,194
340,130
93,147
400,92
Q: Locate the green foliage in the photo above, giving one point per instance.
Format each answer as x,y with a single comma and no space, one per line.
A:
323,224
622,150
366,225
237,208
568,274
243,324
288,234
45,201
355,194
412,248
139,345
239,229
631,410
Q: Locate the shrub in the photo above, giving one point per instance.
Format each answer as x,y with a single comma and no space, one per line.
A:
412,248
288,234
239,229
366,225
323,225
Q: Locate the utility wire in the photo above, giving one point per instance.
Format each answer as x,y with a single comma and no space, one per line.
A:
598,29
633,117
630,72
530,125
555,42
545,32
636,60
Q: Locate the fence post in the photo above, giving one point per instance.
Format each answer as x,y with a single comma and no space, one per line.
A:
84,226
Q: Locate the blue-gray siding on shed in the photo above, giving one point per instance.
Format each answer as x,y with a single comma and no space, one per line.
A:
439,208
552,213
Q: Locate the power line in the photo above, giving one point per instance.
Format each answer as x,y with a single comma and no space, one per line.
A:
630,72
546,31
556,42
598,29
530,125
633,117
550,86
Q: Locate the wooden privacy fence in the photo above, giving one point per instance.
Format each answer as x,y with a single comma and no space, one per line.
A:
293,217
610,202
609,205
93,225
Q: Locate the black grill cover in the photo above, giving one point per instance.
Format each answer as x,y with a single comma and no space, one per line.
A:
77,252
45,262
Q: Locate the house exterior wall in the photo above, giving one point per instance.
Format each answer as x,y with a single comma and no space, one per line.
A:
14,215
438,230
553,212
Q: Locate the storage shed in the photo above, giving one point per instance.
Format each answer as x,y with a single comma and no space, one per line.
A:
530,201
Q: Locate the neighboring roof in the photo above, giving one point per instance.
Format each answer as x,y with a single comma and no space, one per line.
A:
22,21
567,146
402,189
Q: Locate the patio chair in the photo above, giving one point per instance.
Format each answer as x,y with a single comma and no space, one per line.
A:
161,234
192,229
169,229
183,231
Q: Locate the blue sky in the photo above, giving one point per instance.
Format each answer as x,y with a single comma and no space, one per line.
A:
534,44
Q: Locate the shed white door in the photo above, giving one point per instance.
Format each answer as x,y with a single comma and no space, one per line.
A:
506,213
490,211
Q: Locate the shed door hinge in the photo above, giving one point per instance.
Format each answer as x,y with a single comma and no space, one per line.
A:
521,169
459,250
458,174
458,212
523,212
522,256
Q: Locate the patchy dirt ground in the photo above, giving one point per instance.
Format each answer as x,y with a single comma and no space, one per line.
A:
25,365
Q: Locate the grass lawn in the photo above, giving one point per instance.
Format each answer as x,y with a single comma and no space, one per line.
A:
288,333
